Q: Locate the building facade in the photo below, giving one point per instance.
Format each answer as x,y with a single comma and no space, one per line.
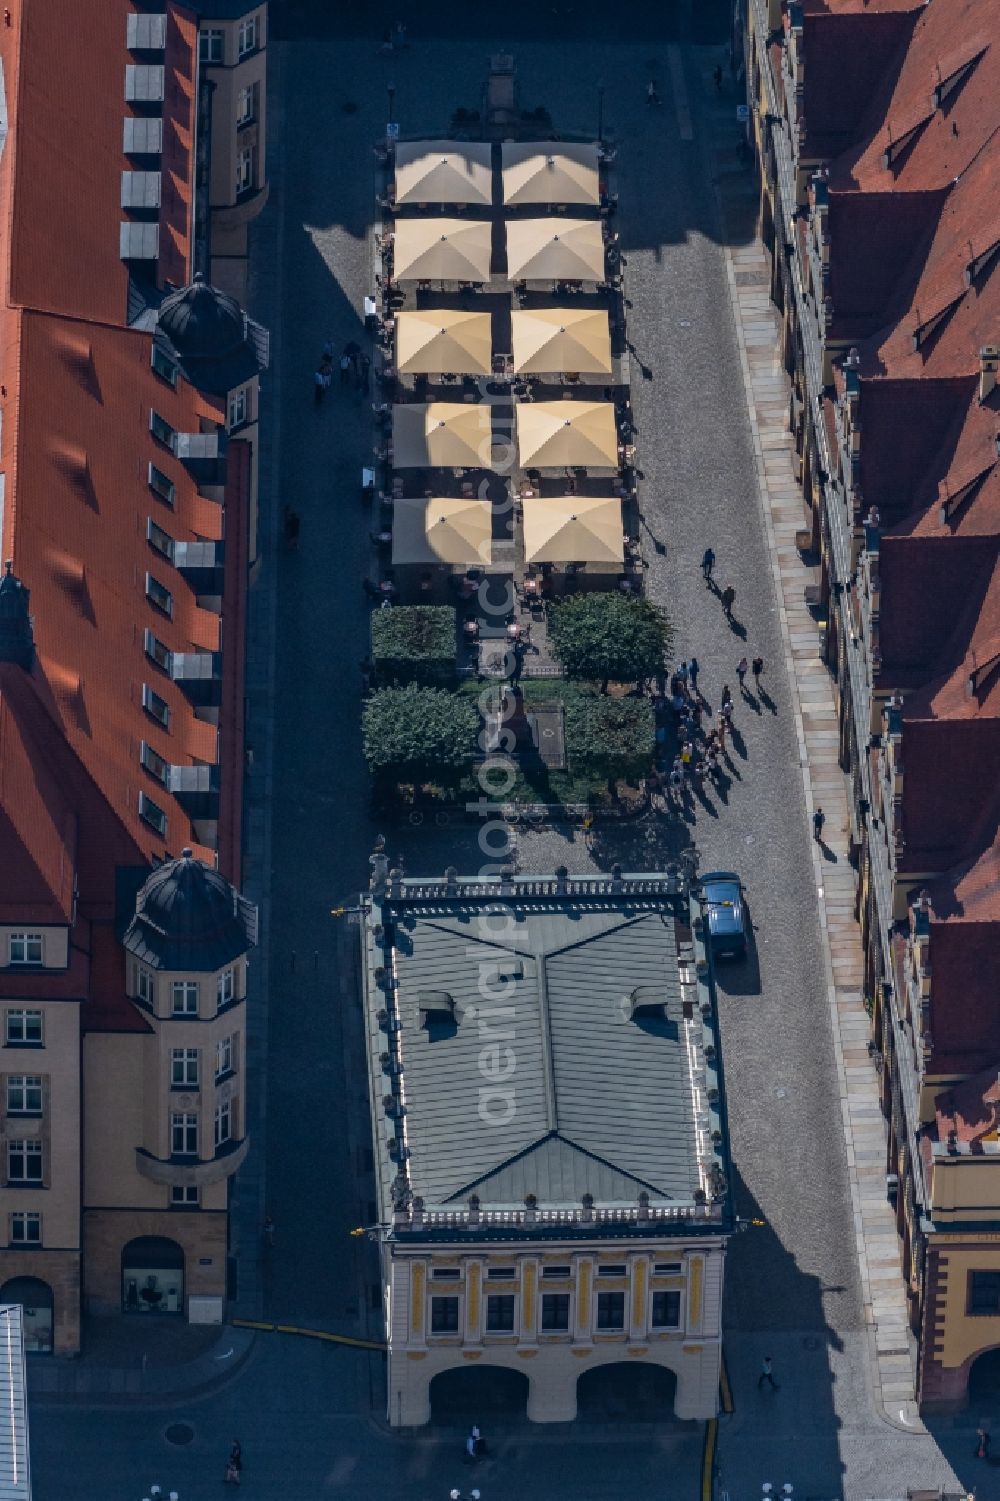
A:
872,126
550,1139
128,394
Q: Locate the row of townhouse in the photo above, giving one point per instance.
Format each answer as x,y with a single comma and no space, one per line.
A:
876,126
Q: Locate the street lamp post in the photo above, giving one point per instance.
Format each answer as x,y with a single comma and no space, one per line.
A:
390,90
600,112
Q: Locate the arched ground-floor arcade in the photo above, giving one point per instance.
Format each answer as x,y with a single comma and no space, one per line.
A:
554,1383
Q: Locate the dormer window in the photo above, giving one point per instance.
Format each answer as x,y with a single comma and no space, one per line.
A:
163,367
24,948
248,37
159,540
159,595
154,763
152,814
161,428
162,485
157,651
155,706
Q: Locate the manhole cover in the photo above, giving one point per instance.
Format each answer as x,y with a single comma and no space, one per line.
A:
179,1433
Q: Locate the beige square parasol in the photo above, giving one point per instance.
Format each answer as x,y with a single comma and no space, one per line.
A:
443,341
548,340
444,172
550,172
442,529
555,249
441,434
573,529
556,434
442,250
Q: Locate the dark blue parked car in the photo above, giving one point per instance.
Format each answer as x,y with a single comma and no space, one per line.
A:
726,914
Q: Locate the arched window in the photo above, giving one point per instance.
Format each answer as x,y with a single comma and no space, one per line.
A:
152,1275
35,1297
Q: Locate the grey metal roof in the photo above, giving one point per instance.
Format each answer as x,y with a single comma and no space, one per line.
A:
15,1474
599,1102
188,917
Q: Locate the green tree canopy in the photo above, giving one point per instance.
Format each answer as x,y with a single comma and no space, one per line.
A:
414,643
416,733
608,637
613,737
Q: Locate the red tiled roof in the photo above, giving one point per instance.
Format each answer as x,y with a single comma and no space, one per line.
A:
849,48
950,768
108,1008
873,238
38,826
953,571
971,1109
909,432
930,146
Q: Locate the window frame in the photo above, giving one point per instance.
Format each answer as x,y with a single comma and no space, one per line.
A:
509,1302
163,431
145,986
161,485
973,1300
31,1088
29,1149
225,982
445,1304
249,27
248,94
150,760
28,939
210,40
189,988
184,1202
163,366
237,399
246,181
556,1273
183,1128
563,1301
25,1218
159,596
156,650
225,1049
153,815
605,1302
24,1041
152,702
185,1068
159,540
224,1124
667,1294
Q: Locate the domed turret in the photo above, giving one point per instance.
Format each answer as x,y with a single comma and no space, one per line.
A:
188,917
207,334
16,639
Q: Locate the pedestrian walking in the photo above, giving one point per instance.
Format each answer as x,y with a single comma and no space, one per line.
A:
319,386
728,598
819,819
676,783
345,369
707,564
682,673
721,726
727,703
757,668
742,668
717,77
652,94
767,1374
693,671
234,1464
982,1442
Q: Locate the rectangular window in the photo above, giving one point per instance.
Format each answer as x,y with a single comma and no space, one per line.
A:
446,1273
160,428
144,986
159,540
185,1194
245,161
500,1313
555,1311
184,1135
159,595
237,408
24,1028
184,1068
25,948
666,1310
155,705
163,366
223,1057
156,651
210,46
25,1229
612,1269
24,1094
667,1268
154,762
610,1310
161,484
223,1122
225,987
24,1161
444,1315
556,1271
248,37
184,998
984,1293
246,105
151,813
501,1273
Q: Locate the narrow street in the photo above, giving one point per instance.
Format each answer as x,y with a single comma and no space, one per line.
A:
792,1281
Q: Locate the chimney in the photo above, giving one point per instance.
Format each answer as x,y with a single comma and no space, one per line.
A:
989,362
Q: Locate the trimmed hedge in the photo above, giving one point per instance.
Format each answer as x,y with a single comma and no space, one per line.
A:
414,644
611,637
416,734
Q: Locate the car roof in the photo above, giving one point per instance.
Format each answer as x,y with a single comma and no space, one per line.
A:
720,875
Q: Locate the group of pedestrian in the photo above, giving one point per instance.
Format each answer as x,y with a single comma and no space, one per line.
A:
744,666
354,366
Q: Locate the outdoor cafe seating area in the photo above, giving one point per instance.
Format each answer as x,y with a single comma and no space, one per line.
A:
504,444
